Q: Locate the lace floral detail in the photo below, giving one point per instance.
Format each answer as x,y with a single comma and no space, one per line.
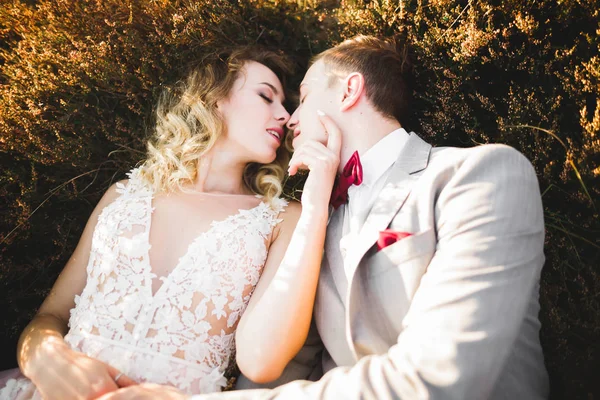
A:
19,389
183,334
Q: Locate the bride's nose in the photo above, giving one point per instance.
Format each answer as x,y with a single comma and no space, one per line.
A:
282,116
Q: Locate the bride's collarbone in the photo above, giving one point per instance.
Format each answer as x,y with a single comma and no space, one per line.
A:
176,221
203,204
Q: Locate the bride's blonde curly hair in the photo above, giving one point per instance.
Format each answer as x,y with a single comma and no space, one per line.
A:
188,124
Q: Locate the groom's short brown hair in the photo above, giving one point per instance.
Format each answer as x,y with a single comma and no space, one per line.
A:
384,65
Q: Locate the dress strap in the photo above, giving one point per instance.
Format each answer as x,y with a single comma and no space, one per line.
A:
278,205
136,186
273,210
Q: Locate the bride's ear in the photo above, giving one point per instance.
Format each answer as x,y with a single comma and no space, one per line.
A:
221,104
220,107
353,87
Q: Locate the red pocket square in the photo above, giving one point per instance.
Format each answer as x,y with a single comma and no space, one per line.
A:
389,237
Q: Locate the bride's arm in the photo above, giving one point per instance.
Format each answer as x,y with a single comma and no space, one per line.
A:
276,322
42,354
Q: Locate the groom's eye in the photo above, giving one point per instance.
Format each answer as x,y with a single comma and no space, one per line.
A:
302,99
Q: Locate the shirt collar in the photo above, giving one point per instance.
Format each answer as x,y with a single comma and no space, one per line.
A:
382,155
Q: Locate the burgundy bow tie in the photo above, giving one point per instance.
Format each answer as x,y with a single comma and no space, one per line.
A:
351,175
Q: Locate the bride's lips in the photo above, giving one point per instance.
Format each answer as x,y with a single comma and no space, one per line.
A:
296,132
276,133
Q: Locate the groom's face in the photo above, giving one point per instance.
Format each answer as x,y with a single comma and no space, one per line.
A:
315,94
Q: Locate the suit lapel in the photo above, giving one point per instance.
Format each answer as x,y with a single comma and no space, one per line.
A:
335,259
413,158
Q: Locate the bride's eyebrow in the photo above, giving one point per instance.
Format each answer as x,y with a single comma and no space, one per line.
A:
273,88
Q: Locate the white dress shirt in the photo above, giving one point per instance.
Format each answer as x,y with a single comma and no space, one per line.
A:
376,163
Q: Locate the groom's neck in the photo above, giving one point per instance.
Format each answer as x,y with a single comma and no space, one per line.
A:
363,129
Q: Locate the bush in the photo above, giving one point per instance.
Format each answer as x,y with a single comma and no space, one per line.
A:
78,80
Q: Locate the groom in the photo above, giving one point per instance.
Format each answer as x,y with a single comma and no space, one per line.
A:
430,277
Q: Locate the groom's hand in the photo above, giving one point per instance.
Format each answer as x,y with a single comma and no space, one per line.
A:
146,391
322,161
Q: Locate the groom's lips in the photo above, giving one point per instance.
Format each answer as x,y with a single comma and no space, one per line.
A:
296,132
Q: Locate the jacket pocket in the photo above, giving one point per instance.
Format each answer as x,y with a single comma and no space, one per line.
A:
390,278
404,254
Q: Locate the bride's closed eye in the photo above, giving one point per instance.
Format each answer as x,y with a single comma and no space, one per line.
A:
266,98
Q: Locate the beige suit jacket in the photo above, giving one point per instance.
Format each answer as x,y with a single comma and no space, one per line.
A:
450,312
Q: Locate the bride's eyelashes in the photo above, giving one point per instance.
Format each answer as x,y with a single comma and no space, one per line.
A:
266,98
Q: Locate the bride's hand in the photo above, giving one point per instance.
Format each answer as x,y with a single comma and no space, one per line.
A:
62,373
322,161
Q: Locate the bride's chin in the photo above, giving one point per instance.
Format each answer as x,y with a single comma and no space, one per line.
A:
266,158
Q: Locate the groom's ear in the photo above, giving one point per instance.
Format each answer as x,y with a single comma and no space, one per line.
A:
353,89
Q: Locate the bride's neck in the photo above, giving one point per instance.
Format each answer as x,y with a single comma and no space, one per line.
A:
219,172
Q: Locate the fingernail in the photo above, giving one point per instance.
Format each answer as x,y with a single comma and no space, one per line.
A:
321,113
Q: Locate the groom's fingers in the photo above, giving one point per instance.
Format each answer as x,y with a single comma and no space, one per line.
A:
148,391
334,140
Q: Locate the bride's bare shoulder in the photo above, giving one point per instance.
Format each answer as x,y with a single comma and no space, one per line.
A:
292,211
289,218
112,193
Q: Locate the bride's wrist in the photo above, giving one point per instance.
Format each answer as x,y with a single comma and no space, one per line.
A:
36,357
314,213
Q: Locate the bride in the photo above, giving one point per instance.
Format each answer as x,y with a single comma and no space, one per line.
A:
166,273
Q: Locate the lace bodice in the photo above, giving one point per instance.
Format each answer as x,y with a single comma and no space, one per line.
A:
181,335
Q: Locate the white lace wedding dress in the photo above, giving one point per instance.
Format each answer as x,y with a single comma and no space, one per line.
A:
182,335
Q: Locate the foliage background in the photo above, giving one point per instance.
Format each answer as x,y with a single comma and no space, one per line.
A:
78,79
